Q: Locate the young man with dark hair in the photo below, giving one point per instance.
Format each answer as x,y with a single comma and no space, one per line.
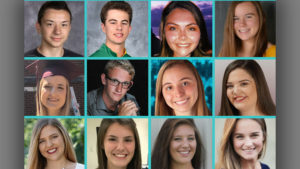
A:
116,17
54,26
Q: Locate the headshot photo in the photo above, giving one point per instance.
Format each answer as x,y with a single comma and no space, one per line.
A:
181,29
181,87
117,88
117,143
181,143
53,29
245,29
53,143
245,143
57,86
117,29
245,87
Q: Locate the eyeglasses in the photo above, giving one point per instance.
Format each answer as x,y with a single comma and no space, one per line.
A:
115,82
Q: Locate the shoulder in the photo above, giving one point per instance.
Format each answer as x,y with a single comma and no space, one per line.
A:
79,166
264,166
92,95
270,51
33,53
70,53
101,52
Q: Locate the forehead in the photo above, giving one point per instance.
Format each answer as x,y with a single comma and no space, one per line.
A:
239,74
117,14
177,72
180,14
56,14
245,8
119,130
184,129
57,79
120,74
247,126
48,130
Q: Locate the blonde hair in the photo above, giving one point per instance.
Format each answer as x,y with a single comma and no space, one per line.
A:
161,107
228,158
35,158
232,44
41,110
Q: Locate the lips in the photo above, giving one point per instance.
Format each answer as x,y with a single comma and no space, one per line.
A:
118,35
184,153
120,156
183,45
53,100
239,99
181,102
51,151
56,39
244,30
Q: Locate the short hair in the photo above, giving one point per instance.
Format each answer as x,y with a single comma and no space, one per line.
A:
118,5
161,107
228,158
264,99
232,44
123,64
58,5
161,158
42,110
35,158
204,45
136,161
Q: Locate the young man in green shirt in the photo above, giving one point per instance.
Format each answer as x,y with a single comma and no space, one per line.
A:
116,19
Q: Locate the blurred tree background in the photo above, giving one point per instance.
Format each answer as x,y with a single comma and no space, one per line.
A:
75,128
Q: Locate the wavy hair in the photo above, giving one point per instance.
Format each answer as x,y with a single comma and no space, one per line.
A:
35,159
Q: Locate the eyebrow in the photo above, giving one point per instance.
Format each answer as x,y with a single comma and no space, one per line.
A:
250,13
118,137
171,23
114,20
48,20
256,132
184,78
244,80
48,136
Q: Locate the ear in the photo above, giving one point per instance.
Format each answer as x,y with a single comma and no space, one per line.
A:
103,27
38,27
103,80
130,28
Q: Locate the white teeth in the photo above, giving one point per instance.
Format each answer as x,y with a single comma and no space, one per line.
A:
118,35
52,150
244,30
120,155
181,102
239,98
183,45
184,152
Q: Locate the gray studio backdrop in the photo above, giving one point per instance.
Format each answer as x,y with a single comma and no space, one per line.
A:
220,18
32,39
137,41
204,127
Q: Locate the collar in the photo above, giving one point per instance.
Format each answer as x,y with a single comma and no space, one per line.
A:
112,53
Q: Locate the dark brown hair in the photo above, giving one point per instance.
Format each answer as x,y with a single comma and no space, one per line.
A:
119,5
264,99
58,5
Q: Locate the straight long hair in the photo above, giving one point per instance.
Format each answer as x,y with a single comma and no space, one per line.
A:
161,107
42,110
161,158
232,44
136,161
228,158
203,46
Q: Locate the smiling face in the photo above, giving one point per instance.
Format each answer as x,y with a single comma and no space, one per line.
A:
51,143
116,27
53,92
241,91
179,89
183,145
54,28
182,32
246,21
248,139
119,146
113,93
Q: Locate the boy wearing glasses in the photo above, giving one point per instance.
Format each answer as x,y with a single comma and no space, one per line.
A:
113,98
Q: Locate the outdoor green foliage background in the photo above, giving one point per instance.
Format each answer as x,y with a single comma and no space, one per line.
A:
75,128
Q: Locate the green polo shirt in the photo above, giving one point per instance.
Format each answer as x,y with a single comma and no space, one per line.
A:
104,51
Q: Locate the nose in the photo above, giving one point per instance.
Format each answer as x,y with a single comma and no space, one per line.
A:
182,35
53,91
120,145
179,91
119,87
49,143
185,143
57,29
235,90
119,26
242,21
248,142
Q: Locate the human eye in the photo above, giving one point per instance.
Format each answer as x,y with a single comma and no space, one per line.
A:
177,138
192,138
244,83
128,140
64,25
172,28
168,88
229,86
41,141
112,139
115,81
126,84
125,23
239,137
185,83
249,16
235,19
